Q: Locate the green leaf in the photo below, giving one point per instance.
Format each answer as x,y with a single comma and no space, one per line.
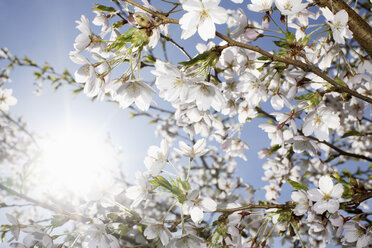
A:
119,24
297,185
263,58
122,40
313,98
140,38
290,39
197,59
149,58
113,216
348,193
284,216
340,82
280,66
352,133
123,229
281,43
274,149
77,91
304,41
104,8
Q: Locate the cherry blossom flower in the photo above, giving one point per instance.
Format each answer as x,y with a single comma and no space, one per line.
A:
260,5
319,121
355,233
327,197
135,91
246,111
338,24
301,144
83,40
140,191
195,206
303,203
96,236
157,157
6,99
274,133
235,148
187,241
172,83
35,236
15,229
202,16
101,20
157,229
253,87
207,95
245,30
290,7
196,150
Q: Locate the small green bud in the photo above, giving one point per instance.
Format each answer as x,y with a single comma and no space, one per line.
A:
142,20
290,38
140,38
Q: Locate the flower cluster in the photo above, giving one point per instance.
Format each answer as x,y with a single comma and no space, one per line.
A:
313,89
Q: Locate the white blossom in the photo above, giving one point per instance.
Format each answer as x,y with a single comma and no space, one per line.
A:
260,5
290,7
157,229
197,150
201,15
135,91
338,24
327,197
6,99
195,206
157,157
319,121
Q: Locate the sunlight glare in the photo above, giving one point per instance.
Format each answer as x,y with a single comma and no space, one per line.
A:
76,162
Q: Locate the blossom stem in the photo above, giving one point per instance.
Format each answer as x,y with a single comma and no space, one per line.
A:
272,19
299,236
176,44
170,209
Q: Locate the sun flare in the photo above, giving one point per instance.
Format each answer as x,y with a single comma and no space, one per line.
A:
75,163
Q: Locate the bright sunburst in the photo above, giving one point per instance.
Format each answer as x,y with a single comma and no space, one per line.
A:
76,162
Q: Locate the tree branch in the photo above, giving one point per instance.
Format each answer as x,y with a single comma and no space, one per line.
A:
52,208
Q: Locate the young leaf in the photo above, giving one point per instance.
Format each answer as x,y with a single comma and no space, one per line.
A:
104,8
296,185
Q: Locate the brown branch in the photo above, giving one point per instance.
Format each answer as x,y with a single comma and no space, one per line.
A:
340,151
359,200
176,44
157,14
362,31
